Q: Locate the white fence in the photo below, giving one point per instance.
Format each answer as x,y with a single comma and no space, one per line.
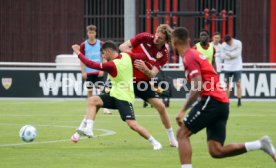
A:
76,66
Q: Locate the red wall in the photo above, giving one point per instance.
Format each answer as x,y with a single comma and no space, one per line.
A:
273,31
38,30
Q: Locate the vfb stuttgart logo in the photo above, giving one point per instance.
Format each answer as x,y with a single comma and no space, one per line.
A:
6,83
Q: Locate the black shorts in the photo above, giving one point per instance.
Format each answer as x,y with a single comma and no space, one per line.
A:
236,75
125,108
94,80
144,90
210,114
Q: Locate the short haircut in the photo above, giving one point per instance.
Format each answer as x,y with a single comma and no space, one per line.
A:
181,34
109,45
217,33
204,30
227,38
165,29
91,28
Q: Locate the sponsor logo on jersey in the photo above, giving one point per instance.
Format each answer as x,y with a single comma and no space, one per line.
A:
159,55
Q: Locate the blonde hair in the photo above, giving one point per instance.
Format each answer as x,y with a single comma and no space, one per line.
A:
91,28
165,29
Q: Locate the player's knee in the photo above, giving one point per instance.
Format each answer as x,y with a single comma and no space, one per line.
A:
215,152
182,133
160,107
93,101
133,125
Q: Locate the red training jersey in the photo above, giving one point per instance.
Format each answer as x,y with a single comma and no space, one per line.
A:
143,43
196,64
109,66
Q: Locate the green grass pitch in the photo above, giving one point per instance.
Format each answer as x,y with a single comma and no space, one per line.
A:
56,120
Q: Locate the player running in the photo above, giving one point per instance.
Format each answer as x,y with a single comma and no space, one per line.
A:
121,97
211,112
153,47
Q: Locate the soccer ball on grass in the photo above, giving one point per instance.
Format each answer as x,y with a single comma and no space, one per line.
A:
27,133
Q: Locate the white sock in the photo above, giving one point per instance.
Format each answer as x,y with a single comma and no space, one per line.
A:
250,146
170,134
152,140
83,123
90,124
186,166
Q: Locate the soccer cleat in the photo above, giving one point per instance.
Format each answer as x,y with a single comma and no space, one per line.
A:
85,132
106,111
173,143
239,104
75,137
145,104
267,147
157,146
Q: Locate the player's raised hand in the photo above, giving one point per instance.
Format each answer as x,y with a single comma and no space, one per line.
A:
76,48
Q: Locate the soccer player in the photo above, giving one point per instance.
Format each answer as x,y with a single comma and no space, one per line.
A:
218,48
205,47
232,54
121,97
211,112
153,47
91,48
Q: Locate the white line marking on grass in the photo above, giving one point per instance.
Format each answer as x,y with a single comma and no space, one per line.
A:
233,114
105,133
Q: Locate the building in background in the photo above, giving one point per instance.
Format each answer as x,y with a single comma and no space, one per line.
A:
37,31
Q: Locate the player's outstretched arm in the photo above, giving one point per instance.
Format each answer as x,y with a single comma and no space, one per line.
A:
108,67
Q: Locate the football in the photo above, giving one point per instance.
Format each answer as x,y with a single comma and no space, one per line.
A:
28,133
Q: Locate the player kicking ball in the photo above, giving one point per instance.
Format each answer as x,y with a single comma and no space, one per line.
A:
211,112
121,97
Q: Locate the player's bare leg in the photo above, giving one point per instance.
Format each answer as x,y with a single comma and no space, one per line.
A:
89,93
239,93
216,149
83,123
94,104
184,146
133,124
99,91
160,107
228,89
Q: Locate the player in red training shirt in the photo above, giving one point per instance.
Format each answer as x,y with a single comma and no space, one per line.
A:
211,112
153,46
